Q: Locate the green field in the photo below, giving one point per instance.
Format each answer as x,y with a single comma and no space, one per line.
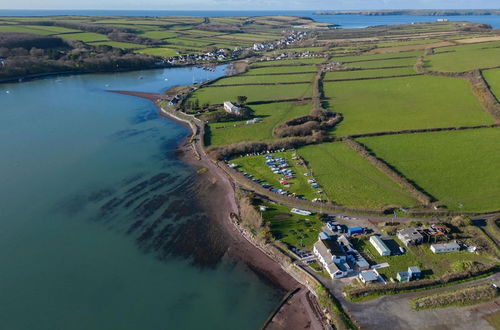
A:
376,56
350,180
288,62
394,104
272,114
85,36
459,168
117,44
164,52
492,77
218,95
292,229
255,166
242,79
463,58
432,265
410,61
283,69
159,34
371,73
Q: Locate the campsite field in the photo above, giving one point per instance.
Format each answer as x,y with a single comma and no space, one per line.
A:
463,58
218,95
459,168
292,229
271,114
255,166
394,104
493,79
350,180
432,265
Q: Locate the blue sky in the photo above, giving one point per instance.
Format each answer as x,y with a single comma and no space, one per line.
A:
247,4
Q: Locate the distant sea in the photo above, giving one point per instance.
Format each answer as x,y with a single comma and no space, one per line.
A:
345,21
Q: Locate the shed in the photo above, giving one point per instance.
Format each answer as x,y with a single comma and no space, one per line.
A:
355,230
402,276
367,276
380,246
414,272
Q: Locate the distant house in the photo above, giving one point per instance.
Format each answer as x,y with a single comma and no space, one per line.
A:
231,108
445,247
380,246
442,20
410,236
368,276
402,276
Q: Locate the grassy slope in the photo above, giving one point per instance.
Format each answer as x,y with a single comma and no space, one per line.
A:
218,95
283,69
493,79
272,114
457,167
410,61
404,103
350,180
288,62
463,58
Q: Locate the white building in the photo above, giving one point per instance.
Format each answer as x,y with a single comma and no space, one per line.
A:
231,108
326,259
445,247
380,246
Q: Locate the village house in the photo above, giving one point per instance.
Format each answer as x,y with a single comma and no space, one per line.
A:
410,236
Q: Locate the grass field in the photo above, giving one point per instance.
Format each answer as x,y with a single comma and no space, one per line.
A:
85,36
371,73
410,61
492,77
432,265
350,180
159,34
218,95
463,58
292,229
272,114
459,168
376,56
116,44
164,52
242,79
394,104
288,62
283,69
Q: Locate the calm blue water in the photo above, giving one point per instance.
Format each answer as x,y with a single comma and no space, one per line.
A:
99,228
345,21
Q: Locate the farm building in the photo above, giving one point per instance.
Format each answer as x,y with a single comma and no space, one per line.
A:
231,108
368,276
354,231
410,236
445,247
402,276
380,246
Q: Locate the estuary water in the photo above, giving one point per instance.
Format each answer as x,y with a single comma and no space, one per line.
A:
344,21
99,228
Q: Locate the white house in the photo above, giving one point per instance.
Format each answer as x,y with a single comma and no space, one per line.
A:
380,246
326,258
445,247
231,108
